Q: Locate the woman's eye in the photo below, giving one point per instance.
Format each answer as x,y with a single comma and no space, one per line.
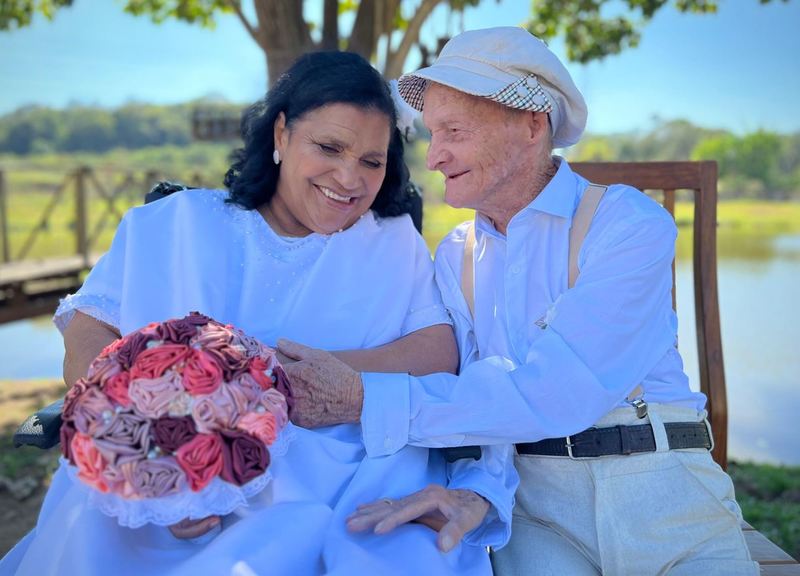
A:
374,164
328,149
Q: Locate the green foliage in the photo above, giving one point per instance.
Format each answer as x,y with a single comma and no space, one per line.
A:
34,130
190,11
760,165
770,501
18,13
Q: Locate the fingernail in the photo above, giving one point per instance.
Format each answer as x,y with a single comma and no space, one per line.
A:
447,543
381,528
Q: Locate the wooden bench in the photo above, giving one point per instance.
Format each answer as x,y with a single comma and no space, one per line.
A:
701,179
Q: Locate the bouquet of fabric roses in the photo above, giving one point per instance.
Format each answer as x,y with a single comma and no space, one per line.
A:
174,420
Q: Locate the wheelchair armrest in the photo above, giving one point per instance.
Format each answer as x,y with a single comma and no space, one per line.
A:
41,429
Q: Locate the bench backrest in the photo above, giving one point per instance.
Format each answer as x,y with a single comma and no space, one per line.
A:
701,179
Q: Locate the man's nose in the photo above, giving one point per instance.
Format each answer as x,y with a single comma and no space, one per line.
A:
437,155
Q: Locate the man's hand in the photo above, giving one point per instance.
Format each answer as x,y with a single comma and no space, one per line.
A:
187,529
452,513
326,391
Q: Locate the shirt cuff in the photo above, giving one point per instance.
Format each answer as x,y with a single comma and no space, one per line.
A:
385,413
495,530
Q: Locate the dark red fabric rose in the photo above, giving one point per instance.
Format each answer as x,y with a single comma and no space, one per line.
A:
177,331
243,457
284,386
133,345
197,318
66,433
71,397
170,433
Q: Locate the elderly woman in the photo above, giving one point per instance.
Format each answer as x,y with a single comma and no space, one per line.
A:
311,243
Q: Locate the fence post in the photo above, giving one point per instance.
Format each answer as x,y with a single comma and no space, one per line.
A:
4,218
81,215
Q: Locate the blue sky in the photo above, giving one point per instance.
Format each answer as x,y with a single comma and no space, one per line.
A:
737,69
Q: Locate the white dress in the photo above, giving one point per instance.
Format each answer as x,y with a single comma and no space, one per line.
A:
359,288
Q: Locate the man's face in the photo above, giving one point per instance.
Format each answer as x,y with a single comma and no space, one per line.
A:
477,144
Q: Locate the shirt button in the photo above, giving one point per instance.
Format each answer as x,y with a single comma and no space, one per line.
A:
516,269
387,442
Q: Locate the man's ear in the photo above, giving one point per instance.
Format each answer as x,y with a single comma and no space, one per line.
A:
538,125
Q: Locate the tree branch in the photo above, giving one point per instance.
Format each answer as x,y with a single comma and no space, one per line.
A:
394,63
236,5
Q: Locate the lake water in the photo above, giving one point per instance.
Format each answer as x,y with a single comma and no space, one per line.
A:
758,278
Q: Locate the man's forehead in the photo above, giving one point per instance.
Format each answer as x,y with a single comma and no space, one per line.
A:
443,103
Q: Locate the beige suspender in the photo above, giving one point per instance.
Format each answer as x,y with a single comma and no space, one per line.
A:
577,233
468,269
580,226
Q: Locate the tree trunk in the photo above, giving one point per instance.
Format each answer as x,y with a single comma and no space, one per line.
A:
330,25
283,34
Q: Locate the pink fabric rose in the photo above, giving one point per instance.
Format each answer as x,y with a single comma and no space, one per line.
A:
92,412
218,410
155,477
250,388
101,369
201,460
116,388
152,397
127,438
258,369
261,425
154,362
275,403
90,462
201,374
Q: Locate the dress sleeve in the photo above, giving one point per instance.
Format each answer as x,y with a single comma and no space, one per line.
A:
425,308
100,294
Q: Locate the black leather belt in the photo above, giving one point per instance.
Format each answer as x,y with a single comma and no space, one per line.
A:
620,440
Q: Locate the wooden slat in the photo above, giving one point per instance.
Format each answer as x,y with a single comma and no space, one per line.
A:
780,570
764,551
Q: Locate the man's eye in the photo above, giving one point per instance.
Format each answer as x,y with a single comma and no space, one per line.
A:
374,164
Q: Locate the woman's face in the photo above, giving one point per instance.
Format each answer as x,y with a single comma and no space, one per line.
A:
333,161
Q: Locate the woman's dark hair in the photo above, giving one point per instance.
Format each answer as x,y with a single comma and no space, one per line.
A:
314,80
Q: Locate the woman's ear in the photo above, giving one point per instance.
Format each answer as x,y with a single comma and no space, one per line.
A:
280,133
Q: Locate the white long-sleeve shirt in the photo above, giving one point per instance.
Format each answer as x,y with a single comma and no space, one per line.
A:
539,360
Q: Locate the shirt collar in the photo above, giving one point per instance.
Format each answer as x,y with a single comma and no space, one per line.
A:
559,196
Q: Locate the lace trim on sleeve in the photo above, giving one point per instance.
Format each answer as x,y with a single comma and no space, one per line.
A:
97,306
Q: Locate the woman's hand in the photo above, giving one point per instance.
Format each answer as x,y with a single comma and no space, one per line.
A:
452,513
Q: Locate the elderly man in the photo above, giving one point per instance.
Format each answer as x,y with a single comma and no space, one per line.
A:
569,350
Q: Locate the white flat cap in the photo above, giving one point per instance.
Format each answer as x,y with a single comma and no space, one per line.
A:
510,66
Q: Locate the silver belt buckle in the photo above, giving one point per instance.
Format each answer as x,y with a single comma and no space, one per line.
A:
569,448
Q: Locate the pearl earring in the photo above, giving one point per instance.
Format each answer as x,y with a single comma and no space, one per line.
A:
276,156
